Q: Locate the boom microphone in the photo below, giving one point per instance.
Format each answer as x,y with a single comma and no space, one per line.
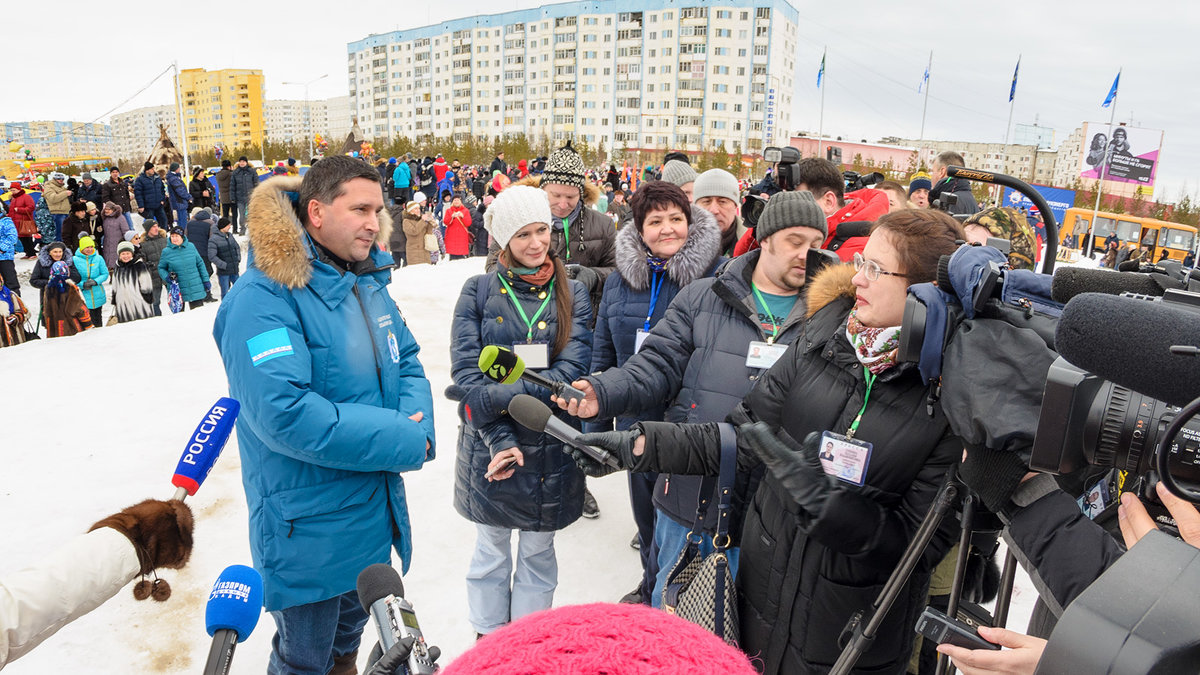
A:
1071,281
1128,341
381,593
503,366
536,416
231,614
204,447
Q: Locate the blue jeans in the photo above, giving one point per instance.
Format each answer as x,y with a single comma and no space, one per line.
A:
495,595
158,215
226,280
181,215
671,538
308,637
128,220
241,207
58,222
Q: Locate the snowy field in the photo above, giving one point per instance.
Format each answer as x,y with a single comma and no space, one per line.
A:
96,422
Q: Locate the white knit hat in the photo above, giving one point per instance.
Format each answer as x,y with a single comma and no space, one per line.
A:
515,207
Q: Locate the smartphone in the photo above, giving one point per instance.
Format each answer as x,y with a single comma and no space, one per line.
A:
940,628
503,467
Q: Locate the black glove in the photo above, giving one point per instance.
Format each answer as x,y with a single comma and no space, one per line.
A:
618,443
797,467
391,662
483,404
584,275
993,475
89,283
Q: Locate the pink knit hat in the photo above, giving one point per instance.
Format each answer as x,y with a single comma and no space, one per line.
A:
601,638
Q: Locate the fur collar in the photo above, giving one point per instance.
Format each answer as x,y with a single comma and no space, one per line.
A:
830,284
693,261
280,245
591,193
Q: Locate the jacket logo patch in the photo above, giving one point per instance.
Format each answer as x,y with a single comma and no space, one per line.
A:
393,347
269,345
384,321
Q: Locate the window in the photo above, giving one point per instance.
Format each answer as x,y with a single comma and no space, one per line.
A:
760,50
720,89
724,14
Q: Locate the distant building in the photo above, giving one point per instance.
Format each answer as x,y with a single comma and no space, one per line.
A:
135,132
885,157
60,139
1033,134
288,120
221,108
1014,160
339,115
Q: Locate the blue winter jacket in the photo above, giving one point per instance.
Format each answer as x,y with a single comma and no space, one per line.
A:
149,192
545,494
185,263
92,267
8,238
402,176
327,374
177,190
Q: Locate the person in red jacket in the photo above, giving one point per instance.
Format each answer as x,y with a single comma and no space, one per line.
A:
457,220
440,167
822,178
21,209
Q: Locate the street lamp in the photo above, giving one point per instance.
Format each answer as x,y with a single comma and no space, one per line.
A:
307,114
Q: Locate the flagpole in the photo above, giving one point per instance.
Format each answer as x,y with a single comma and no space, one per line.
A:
1103,169
821,123
1012,103
925,107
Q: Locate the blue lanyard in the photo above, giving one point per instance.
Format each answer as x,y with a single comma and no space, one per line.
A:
655,287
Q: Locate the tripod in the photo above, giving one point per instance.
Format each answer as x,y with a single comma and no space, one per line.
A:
859,635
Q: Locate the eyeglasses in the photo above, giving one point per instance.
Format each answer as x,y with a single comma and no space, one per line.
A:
871,269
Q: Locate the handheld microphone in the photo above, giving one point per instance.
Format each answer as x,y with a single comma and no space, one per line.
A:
204,447
503,366
1128,341
231,614
381,593
1069,282
536,416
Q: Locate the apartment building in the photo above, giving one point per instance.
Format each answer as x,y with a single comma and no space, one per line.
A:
287,120
59,139
221,108
654,74
135,132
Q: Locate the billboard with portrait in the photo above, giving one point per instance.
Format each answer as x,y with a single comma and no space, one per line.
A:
1123,154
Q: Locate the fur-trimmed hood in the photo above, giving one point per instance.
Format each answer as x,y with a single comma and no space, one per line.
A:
831,283
693,260
280,246
591,193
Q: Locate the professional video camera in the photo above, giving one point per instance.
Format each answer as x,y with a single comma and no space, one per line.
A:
855,181
784,178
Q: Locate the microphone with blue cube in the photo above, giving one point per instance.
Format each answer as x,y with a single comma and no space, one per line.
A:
231,614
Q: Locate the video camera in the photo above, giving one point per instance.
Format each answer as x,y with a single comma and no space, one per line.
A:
784,178
855,181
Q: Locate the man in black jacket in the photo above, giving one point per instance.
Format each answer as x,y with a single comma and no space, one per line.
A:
241,184
498,164
959,187
228,206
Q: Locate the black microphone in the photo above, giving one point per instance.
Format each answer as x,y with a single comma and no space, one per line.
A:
504,366
381,593
536,416
1071,281
1128,341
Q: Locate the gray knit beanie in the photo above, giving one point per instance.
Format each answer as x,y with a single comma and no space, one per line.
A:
790,209
678,173
717,183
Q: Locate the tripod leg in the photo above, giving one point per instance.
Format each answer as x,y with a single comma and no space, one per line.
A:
1004,600
960,571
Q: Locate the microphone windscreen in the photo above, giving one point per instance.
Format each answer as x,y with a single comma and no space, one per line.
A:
1128,341
529,412
378,581
205,445
1071,281
1129,266
500,365
235,602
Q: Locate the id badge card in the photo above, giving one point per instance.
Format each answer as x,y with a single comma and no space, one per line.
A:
763,354
639,339
844,458
536,355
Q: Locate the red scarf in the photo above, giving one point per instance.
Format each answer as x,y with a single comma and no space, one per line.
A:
541,277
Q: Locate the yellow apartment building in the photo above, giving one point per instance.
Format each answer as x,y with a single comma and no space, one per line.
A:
221,108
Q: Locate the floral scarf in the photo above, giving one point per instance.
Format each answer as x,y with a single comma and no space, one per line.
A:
875,348
657,264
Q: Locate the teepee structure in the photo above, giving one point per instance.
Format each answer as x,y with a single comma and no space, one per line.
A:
164,151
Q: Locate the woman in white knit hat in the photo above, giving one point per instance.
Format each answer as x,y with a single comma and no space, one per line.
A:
508,477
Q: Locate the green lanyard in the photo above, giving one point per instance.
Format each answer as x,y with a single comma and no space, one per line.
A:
767,310
567,236
870,377
521,310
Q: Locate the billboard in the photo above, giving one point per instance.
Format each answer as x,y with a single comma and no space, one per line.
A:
1059,199
1131,156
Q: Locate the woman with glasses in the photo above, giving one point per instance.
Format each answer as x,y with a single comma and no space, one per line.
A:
854,450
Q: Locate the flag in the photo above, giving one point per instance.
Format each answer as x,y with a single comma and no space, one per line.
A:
821,72
1012,92
924,80
1112,93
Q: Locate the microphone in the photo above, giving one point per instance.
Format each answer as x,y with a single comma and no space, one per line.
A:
1128,341
535,416
204,447
1069,282
503,366
231,614
381,594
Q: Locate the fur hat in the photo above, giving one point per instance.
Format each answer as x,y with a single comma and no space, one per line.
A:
413,207
86,241
790,209
91,206
564,167
516,207
124,246
678,173
715,183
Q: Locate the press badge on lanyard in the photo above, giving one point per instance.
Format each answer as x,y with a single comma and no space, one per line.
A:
845,457
644,331
535,354
763,354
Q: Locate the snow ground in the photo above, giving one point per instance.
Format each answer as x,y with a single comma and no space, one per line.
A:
104,415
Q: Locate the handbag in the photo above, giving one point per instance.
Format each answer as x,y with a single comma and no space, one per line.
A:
699,587
431,243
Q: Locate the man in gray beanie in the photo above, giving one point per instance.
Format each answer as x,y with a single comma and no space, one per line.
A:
791,223
679,173
717,191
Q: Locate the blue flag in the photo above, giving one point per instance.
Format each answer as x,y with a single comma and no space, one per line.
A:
821,72
924,80
1013,90
1112,93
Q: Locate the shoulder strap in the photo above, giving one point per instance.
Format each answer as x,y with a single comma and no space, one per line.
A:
725,484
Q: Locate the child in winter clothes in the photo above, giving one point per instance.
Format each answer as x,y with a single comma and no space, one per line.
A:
133,289
224,253
62,304
94,273
13,314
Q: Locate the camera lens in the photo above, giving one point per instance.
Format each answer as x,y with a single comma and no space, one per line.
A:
1124,429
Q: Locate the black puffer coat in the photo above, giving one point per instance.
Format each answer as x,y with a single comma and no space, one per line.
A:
800,578
39,276
545,494
117,193
224,252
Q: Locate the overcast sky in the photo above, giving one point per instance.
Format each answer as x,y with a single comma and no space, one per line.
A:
80,60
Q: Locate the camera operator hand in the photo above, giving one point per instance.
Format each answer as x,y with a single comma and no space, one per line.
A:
1135,522
1021,657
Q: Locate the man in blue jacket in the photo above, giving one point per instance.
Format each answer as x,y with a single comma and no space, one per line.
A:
335,405
149,192
181,199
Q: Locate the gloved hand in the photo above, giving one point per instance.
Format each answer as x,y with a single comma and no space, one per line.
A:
481,405
390,662
797,467
89,283
207,286
618,443
993,475
160,531
584,275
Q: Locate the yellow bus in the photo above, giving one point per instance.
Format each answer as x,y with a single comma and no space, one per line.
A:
1174,239
1154,235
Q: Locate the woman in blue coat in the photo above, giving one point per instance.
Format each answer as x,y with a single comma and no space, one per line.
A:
529,304
92,273
181,262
